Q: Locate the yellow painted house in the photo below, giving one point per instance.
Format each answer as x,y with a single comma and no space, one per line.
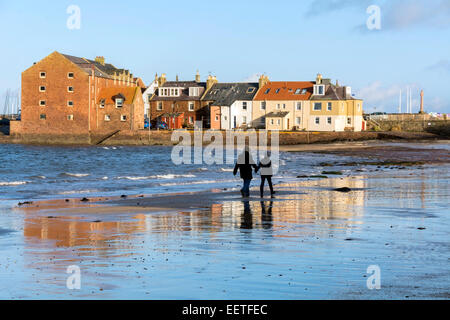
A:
308,106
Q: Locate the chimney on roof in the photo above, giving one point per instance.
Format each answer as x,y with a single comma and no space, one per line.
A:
100,60
337,83
210,82
162,80
197,77
177,78
263,80
319,79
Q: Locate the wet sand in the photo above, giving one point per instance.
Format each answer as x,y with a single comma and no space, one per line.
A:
309,242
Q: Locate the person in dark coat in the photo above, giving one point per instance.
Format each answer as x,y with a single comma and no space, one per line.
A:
245,166
265,165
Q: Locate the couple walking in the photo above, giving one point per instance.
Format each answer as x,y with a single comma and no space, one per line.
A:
246,164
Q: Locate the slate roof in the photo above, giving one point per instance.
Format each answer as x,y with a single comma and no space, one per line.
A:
184,96
103,71
285,90
225,94
280,114
333,93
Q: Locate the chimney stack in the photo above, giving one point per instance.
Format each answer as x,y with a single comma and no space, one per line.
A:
263,80
319,79
100,60
421,102
197,77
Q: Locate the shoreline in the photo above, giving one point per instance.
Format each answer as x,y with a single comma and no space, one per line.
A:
164,138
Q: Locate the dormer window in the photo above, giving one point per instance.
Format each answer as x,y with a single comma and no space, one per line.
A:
194,92
277,91
298,91
267,91
119,102
319,90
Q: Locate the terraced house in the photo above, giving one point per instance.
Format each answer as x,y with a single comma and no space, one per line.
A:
61,96
311,106
282,105
232,105
178,103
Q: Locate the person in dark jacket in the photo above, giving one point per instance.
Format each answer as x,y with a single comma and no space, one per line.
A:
245,165
265,165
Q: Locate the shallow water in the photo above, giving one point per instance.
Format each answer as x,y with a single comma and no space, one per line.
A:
308,243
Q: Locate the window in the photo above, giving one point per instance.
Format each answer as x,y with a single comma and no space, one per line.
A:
304,91
318,106
123,118
70,103
69,89
329,120
299,106
70,117
43,117
191,106
194,92
298,121
244,120
317,120
43,75
42,103
159,106
119,103
102,103
42,89
107,117
251,90
359,106
284,106
70,75
217,118
278,106
226,118
267,91
319,90
263,105
330,106
277,91
349,120
298,91
244,105
278,121
271,122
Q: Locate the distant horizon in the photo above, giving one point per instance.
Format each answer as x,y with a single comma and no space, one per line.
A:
237,43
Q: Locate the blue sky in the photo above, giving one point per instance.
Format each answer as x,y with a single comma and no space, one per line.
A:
237,40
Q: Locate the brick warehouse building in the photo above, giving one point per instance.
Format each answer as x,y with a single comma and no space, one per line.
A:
62,96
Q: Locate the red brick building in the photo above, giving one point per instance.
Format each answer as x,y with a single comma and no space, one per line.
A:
179,104
62,94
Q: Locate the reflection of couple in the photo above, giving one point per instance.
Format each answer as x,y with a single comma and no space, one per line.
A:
245,164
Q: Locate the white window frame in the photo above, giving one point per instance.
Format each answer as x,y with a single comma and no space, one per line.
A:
315,104
123,118
298,121
191,106
42,104
107,117
70,91
349,121
70,117
299,106
159,106
68,103
119,104
40,88
330,106
70,77
42,74
319,90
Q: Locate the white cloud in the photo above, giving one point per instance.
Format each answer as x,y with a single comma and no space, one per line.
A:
253,78
442,66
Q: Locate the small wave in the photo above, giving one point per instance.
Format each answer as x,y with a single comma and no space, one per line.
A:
77,192
13,183
78,175
161,177
105,178
195,183
226,170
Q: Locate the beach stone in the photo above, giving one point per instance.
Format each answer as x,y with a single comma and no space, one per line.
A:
345,190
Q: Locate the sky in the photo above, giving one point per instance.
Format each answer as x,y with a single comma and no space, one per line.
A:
236,40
